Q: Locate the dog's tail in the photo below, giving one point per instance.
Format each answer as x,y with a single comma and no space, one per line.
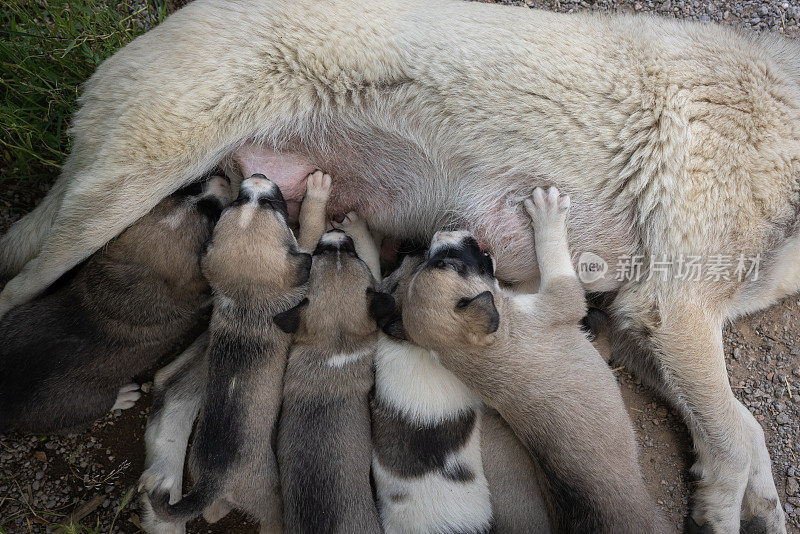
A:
200,497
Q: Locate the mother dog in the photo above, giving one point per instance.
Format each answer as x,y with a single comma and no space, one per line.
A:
673,139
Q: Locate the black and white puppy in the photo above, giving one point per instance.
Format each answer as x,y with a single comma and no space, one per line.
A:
427,435
68,357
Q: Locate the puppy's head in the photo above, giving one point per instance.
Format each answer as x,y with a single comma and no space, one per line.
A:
170,239
342,305
450,296
253,253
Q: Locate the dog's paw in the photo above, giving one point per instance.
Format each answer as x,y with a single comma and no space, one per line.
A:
127,397
318,186
547,208
352,225
769,519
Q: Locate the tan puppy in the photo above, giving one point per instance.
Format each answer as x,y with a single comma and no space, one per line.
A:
258,276
527,357
67,357
324,440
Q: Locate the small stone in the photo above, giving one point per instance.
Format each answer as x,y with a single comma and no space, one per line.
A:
792,486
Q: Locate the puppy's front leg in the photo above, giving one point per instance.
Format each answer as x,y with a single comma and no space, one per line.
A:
367,250
178,394
312,212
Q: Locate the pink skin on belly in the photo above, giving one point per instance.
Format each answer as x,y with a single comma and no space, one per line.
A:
288,171
502,225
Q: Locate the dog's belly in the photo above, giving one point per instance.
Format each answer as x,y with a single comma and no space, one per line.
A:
403,194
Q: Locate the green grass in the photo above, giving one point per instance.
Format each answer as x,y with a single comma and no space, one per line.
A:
47,49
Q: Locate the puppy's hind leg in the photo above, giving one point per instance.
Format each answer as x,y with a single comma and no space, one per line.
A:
312,211
218,509
127,397
178,394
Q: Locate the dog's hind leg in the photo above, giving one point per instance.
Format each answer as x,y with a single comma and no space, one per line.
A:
761,508
682,337
178,394
25,238
92,214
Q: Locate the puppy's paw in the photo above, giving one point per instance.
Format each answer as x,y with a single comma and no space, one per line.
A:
127,397
547,208
352,224
155,480
318,186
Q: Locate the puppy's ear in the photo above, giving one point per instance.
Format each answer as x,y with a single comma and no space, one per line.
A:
480,312
303,261
381,305
393,326
289,320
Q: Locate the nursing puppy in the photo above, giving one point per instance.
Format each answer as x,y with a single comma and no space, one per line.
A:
426,428
526,356
257,274
451,112
517,503
324,439
68,357
418,402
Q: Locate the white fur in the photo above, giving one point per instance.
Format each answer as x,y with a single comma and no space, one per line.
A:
166,440
340,360
410,379
127,397
174,219
433,503
446,238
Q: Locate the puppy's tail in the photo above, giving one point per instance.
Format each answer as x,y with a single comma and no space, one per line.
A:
200,497
595,323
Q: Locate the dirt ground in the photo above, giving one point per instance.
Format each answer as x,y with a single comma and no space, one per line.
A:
91,477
